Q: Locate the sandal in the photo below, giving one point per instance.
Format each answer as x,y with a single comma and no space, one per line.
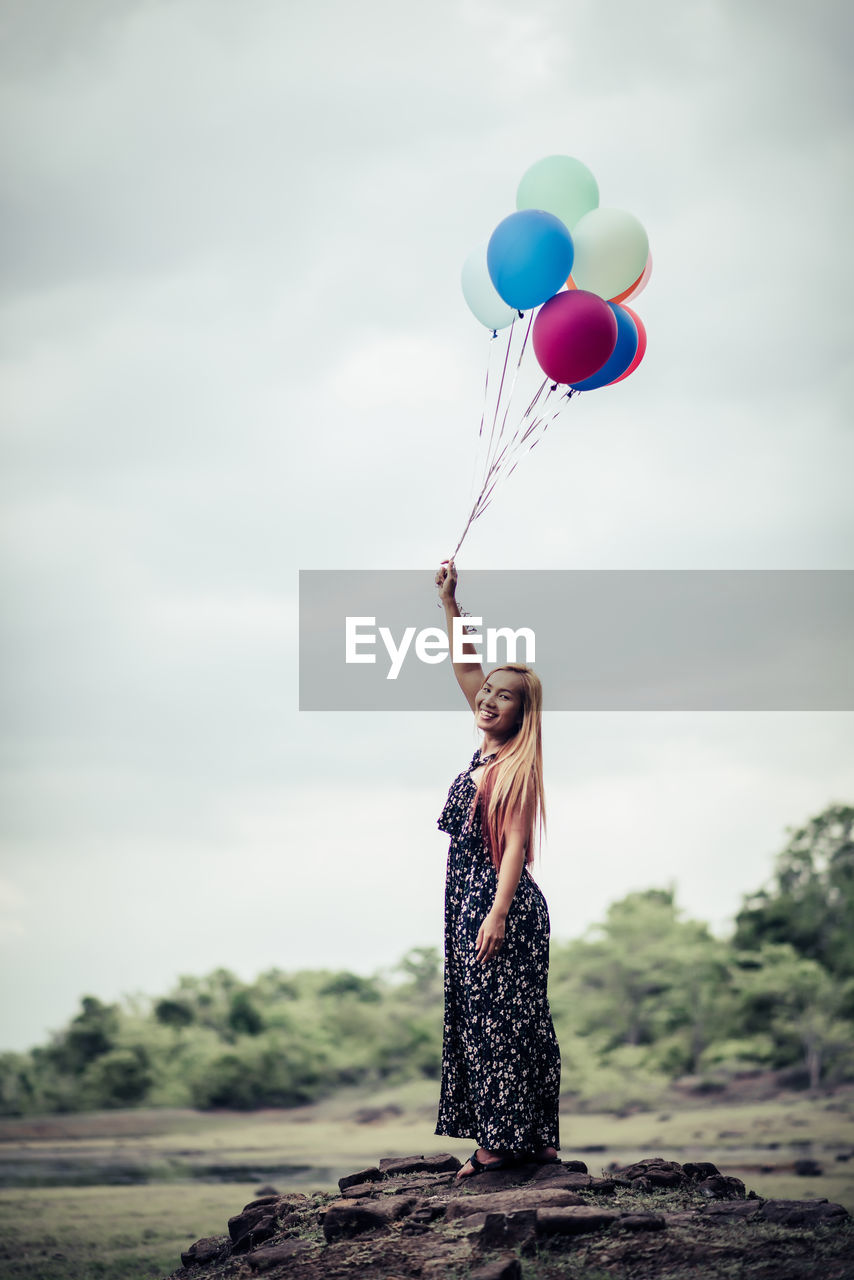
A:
480,1166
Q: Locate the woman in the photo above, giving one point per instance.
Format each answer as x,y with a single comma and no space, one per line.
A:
500,1059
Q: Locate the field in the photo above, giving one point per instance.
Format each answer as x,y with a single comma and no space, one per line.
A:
117,1195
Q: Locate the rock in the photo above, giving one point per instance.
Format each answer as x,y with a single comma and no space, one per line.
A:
573,1222
261,1229
806,1168
574,1166
361,1189
210,1249
364,1175
428,1211
276,1254
257,1222
344,1218
657,1172
509,1201
801,1213
506,1268
725,1210
722,1187
393,1166
641,1222
241,1222
568,1181
696,1172
509,1230
386,1223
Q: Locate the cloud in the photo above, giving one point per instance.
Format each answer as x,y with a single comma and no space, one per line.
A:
236,347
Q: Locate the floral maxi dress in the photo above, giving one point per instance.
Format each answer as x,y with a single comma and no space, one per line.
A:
500,1057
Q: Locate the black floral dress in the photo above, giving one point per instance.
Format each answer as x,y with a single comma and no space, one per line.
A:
500,1058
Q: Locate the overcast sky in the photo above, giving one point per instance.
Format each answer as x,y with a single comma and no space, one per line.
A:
235,346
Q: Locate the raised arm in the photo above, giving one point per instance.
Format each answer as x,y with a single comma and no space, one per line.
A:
469,673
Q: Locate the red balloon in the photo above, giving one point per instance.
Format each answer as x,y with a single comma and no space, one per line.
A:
638,286
573,335
641,351
627,293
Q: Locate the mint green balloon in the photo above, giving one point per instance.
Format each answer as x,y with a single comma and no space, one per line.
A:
611,249
483,300
561,185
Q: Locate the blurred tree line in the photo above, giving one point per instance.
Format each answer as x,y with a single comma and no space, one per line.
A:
645,997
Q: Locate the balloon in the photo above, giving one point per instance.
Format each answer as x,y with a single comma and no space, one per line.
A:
479,292
529,256
639,285
573,335
611,251
560,185
620,358
641,351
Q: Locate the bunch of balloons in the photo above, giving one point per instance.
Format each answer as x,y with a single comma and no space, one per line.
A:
579,263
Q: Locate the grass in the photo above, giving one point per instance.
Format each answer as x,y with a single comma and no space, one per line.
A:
110,1233
137,1232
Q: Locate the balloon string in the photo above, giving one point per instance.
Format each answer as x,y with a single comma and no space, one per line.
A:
476,463
515,376
498,470
500,389
486,382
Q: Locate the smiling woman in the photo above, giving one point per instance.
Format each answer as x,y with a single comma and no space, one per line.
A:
500,1059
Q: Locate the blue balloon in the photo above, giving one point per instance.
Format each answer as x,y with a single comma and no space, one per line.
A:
529,257
621,357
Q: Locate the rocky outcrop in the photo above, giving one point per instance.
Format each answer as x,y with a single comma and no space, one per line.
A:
411,1217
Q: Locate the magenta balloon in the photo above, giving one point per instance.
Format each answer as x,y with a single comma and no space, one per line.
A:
573,335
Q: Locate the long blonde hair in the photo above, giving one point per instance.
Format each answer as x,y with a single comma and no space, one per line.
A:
515,776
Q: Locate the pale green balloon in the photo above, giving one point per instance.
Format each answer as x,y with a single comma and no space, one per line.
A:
561,185
480,293
611,249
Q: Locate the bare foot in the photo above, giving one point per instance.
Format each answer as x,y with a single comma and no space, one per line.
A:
483,1157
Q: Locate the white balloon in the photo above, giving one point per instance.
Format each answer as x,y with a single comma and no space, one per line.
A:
611,251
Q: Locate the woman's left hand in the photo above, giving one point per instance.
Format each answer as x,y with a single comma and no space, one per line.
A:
490,937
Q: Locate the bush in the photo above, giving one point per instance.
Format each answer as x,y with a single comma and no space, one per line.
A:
119,1078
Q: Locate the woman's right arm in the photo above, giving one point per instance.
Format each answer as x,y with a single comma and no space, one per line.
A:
469,672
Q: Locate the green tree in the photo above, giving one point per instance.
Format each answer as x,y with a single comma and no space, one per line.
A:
243,1016
174,1013
645,977
796,1002
810,903
118,1078
92,1032
422,969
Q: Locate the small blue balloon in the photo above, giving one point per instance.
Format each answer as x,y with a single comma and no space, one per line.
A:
621,357
529,257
